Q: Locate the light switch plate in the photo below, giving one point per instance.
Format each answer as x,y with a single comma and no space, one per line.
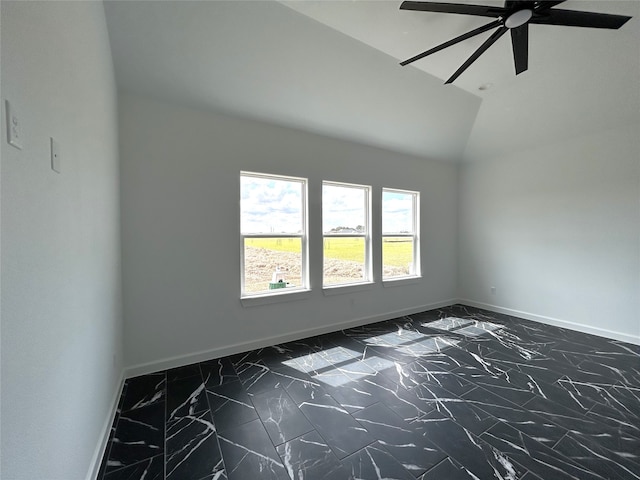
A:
55,156
14,127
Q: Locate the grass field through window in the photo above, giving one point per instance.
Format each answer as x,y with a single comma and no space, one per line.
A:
342,263
398,252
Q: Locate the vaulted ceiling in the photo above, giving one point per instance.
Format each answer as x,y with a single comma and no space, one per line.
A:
332,67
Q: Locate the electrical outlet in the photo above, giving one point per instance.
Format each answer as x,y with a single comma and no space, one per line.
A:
493,290
14,126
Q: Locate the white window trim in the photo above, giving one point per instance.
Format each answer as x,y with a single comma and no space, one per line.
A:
278,294
368,277
415,235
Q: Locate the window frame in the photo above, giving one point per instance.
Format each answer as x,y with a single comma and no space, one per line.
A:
303,236
414,235
368,264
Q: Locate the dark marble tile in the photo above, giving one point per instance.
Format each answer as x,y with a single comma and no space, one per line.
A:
449,469
275,356
412,450
467,449
504,385
586,393
356,369
230,406
144,390
617,347
542,369
280,416
452,382
339,355
139,436
148,469
343,434
448,323
531,476
351,397
415,373
186,396
477,359
510,344
485,397
218,372
439,361
499,396
545,390
247,357
616,418
534,456
310,363
595,374
598,459
374,462
466,414
626,373
405,346
180,373
286,373
256,377
192,449
301,390
405,403
332,378
626,399
521,418
568,357
248,453
431,395
584,427
309,457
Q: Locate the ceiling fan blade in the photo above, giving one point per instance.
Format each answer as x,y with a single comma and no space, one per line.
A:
573,18
490,41
547,4
479,10
459,39
520,44
512,5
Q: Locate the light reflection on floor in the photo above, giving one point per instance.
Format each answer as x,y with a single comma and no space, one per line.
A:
338,366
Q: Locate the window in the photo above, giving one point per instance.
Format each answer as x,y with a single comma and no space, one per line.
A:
400,229
273,231
346,239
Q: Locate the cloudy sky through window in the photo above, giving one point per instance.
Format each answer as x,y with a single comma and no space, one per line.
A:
270,205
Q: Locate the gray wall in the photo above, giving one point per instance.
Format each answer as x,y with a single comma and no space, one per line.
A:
60,260
556,230
180,221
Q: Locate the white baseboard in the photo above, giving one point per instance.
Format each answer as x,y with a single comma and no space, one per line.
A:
96,459
182,360
580,327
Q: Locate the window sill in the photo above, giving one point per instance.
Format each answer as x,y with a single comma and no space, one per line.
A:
398,282
345,289
269,298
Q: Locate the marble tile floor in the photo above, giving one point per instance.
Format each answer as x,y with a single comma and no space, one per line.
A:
454,393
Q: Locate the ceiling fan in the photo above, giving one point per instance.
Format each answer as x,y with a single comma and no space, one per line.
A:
516,15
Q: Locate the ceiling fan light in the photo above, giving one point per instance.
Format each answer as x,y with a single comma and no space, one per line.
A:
519,18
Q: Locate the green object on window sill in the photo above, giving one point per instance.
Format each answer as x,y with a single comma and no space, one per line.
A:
274,285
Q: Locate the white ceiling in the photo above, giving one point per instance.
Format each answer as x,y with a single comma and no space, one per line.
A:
332,67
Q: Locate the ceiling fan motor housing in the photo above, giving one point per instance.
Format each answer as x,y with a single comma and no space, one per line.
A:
519,18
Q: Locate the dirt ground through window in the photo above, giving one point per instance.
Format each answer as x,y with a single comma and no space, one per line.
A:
260,263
